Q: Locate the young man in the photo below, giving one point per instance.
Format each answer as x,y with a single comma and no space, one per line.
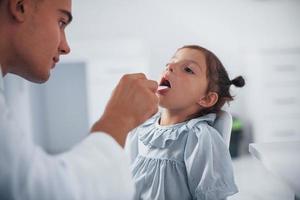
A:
32,38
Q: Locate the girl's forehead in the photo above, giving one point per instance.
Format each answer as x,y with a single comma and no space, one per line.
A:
190,54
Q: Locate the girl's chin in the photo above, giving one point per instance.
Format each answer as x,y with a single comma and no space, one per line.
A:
164,105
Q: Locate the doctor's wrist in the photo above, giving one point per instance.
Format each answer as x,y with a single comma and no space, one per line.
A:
115,126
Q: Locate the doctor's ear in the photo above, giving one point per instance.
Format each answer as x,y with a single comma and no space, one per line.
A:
209,100
18,9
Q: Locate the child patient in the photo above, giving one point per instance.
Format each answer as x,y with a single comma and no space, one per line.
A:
177,154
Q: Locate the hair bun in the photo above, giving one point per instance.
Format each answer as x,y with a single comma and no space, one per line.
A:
238,81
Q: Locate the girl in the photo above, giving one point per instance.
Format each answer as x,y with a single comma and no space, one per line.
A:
177,154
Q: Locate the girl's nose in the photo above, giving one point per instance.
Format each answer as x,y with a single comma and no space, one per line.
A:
170,67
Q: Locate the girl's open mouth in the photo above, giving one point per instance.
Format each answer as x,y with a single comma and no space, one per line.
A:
165,82
164,85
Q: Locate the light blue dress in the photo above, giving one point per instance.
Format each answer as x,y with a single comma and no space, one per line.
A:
188,160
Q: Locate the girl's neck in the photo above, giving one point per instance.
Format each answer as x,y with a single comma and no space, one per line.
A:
169,117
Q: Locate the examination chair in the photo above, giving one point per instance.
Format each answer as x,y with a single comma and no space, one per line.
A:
223,124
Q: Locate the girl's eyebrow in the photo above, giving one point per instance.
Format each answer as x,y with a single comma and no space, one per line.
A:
194,62
187,60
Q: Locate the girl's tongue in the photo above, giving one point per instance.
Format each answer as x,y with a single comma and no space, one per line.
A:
162,87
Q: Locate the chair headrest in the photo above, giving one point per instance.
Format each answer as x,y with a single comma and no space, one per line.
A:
223,124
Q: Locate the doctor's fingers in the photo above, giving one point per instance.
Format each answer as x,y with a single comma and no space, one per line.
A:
139,82
151,85
130,81
140,77
128,77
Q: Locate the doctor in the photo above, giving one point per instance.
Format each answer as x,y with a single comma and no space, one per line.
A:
32,38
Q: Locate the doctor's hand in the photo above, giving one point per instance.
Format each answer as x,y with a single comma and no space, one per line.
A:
133,101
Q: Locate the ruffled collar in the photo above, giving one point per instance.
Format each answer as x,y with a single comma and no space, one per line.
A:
158,136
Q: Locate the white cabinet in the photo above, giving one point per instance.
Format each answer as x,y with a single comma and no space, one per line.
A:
273,78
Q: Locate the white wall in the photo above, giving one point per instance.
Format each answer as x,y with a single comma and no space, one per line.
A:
232,29
228,28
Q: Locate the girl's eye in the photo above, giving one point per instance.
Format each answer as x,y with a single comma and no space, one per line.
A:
62,24
188,70
167,66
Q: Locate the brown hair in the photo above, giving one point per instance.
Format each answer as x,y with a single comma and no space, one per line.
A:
218,79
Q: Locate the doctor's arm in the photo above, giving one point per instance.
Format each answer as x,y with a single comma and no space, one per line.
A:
97,168
133,101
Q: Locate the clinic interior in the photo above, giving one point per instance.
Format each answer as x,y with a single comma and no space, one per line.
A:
258,39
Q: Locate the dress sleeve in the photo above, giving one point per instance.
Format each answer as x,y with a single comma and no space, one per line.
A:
131,145
208,164
97,168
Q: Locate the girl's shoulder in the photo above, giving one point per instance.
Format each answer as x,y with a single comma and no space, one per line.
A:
203,121
203,127
203,134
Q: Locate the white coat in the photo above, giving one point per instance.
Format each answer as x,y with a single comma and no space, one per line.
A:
97,168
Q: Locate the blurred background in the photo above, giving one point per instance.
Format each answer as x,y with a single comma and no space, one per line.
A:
258,39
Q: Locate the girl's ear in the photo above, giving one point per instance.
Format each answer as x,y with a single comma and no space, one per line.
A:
18,9
209,100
